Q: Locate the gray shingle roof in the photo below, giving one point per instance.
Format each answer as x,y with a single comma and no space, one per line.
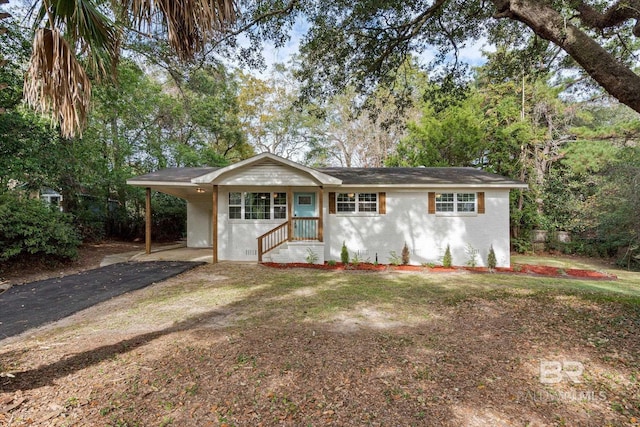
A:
363,176
182,175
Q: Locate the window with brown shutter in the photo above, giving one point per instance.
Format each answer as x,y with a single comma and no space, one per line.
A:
332,202
382,203
456,203
432,202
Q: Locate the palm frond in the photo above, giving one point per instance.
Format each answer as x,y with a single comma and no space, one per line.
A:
189,24
56,83
93,35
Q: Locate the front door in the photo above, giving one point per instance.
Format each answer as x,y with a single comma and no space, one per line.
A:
304,206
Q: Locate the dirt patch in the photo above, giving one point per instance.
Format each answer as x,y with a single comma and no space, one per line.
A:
89,257
246,345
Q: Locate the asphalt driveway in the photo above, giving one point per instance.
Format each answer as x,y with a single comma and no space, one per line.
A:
34,304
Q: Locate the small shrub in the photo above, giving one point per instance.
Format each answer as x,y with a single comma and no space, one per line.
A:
331,262
311,257
405,254
472,256
344,254
491,259
446,259
355,260
394,259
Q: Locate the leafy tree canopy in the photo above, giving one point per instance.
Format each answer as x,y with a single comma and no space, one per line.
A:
348,43
358,43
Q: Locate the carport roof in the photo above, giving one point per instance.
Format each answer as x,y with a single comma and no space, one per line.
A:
182,175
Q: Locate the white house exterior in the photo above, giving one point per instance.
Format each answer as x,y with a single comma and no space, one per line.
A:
243,210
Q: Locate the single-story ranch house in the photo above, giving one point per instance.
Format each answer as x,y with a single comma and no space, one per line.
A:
267,208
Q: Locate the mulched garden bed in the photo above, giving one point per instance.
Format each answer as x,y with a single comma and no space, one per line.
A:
555,271
542,270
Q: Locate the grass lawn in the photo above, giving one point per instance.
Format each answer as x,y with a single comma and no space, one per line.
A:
235,344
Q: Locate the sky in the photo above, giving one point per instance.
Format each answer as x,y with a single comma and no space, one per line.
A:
471,54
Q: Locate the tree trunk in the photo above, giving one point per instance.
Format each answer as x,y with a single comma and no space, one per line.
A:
3,62
614,76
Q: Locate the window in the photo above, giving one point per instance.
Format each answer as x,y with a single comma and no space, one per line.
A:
257,205
304,200
280,205
466,202
367,202
357,202
445,202
235,205
346,202
455,202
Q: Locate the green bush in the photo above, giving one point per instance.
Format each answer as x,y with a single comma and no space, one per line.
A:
311,257
446,259
394,259
344,254
472,256
30,229
522,245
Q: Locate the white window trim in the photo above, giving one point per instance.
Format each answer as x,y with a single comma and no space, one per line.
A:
357,203
455,211
242,205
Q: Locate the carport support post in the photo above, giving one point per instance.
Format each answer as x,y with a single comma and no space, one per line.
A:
147,222
290,214
320,215
214,224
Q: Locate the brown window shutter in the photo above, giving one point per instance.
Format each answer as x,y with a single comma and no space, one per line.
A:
480,202
432,202
382,203
332,203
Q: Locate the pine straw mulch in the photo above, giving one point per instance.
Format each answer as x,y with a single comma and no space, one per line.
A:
246,345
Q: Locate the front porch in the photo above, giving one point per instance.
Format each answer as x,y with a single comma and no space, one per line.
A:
247,210
299,239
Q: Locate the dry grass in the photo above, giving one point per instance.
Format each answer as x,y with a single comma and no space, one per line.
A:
247,345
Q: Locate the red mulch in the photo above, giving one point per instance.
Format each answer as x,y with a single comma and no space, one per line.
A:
554,271
543,270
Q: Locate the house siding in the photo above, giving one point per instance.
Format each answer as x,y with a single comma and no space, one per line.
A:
267,175
199,225
407,220
238,238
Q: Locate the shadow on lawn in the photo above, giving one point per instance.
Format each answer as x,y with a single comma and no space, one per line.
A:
46,375
464,358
